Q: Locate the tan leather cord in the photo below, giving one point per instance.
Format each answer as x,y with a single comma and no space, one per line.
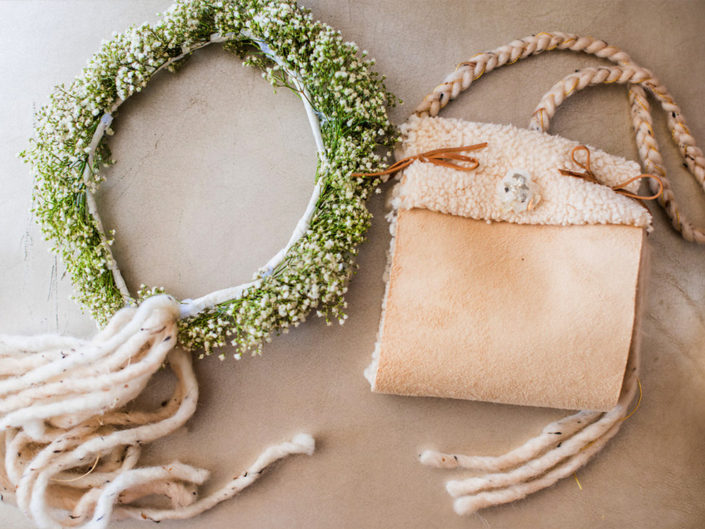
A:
627,72
620,188
443,157
587,174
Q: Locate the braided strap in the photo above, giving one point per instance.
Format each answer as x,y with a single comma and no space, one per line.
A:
650,156
638,78
484,62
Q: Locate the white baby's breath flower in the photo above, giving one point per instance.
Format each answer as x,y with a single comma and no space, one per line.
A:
318,266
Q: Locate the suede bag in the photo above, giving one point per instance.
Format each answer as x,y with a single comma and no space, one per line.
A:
516,267
517,281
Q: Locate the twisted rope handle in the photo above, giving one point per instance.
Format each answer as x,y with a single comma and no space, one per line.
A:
653,162
469,71
638,78
626,72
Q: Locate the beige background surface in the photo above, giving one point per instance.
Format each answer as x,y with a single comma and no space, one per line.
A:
214,170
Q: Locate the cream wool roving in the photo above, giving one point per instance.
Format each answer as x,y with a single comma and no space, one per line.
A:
469,209
71,444
63,410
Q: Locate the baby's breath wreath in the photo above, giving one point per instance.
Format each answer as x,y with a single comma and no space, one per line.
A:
72,436
345,101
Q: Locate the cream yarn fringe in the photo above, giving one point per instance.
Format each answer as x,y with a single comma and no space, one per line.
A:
72,445
562,448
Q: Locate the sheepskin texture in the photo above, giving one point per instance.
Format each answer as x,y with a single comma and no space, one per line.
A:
506,312
564,200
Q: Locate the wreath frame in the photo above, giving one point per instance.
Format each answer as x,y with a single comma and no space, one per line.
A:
346,105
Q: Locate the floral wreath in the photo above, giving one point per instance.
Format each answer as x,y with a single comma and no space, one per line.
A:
345,102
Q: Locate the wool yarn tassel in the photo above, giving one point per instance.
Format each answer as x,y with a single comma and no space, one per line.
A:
70,445
562,448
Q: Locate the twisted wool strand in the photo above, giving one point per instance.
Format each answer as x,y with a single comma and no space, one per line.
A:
650,156
568,449
566,445
71,446
565,427
469,71
472,503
